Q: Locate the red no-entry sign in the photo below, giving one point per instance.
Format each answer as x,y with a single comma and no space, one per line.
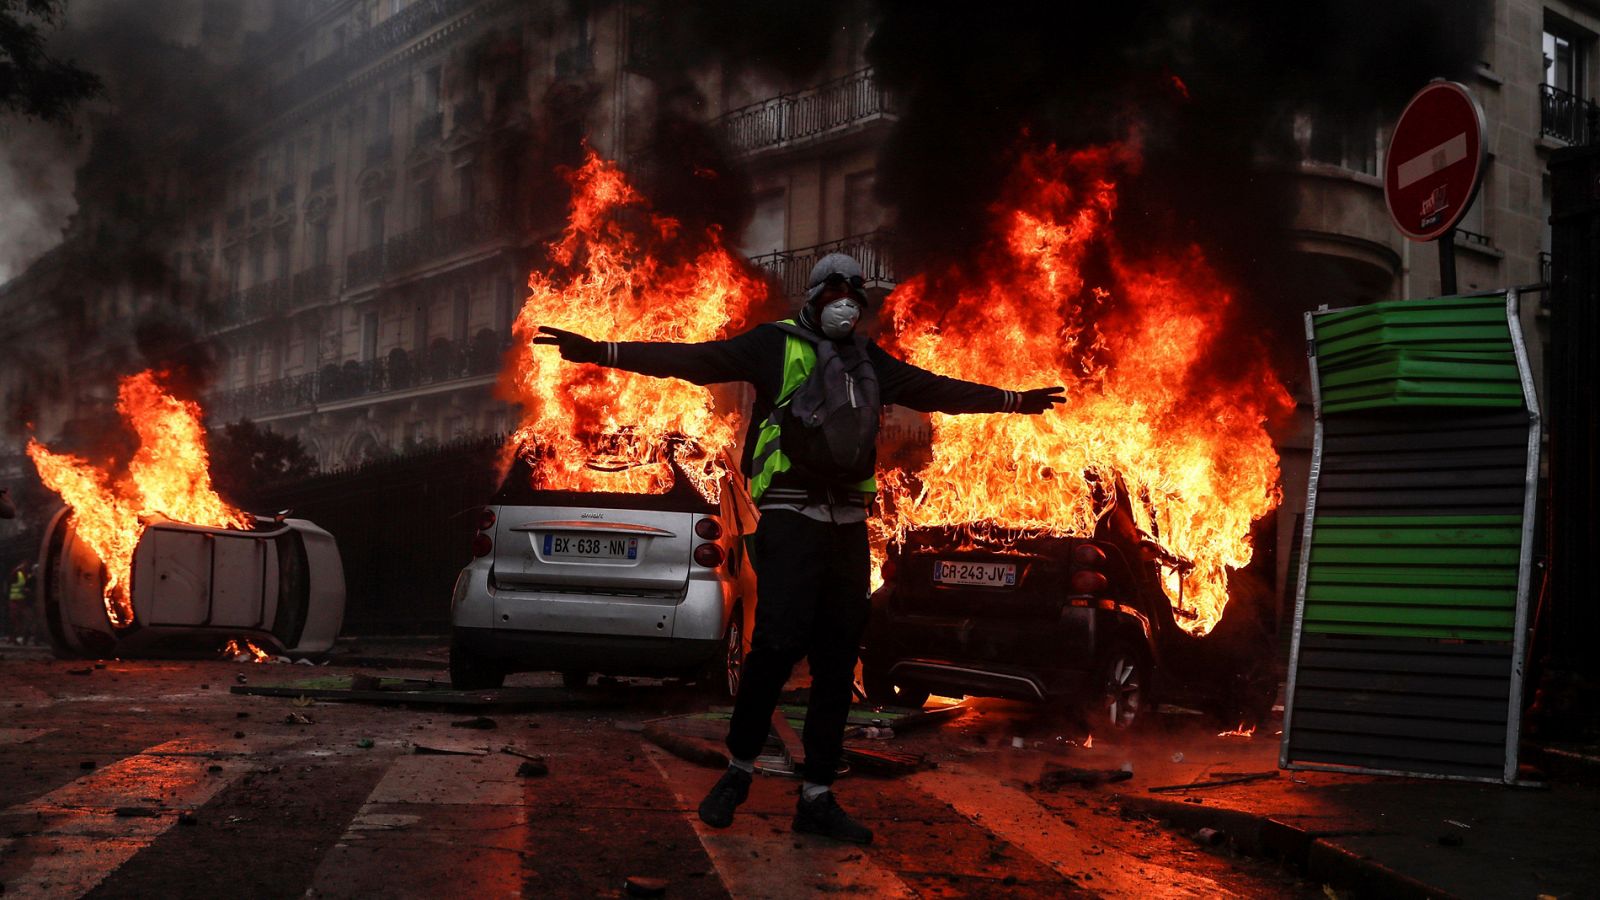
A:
1435,162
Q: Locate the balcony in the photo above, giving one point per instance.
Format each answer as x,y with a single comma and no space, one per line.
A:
428,128
311,286
364,266
322,177
792,268
269,298
830,108
444,361
438,239
380,150
372,45
467,112
1565,116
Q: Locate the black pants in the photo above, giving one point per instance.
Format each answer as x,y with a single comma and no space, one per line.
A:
812,581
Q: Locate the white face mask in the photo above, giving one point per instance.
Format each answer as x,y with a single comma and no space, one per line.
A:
839,317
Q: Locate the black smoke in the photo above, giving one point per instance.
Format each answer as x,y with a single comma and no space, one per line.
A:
1211,85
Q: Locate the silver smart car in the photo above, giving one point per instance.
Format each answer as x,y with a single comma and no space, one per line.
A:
608,583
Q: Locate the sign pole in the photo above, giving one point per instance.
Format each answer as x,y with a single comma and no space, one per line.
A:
1447,262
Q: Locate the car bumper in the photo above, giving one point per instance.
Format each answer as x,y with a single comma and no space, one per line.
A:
526,651
618,635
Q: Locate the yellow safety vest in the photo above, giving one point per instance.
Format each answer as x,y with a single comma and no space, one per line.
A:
799,358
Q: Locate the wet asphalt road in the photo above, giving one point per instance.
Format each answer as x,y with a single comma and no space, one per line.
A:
151,779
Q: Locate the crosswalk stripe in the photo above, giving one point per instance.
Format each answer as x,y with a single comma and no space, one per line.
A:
458,821
1013,816
74,836
758,864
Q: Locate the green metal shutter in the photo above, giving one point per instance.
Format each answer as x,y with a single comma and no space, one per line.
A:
1412,590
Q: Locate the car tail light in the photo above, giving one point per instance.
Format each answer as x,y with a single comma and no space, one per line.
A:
708,555
482,544
708,528
486,519
1088,555
1088,581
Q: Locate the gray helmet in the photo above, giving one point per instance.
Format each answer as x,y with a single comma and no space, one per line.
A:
835,265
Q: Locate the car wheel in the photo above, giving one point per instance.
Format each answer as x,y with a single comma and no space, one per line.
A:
471,672
1121,689
884,691
575,680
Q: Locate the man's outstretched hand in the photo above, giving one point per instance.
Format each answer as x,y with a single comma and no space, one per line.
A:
1041,400
573,347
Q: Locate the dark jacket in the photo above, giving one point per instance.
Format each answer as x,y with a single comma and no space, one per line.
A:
756,357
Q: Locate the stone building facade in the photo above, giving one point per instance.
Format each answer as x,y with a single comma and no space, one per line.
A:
359,272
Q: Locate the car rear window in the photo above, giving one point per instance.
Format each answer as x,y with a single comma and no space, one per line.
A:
518,490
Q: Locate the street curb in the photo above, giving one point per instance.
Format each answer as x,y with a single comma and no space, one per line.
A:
1320,858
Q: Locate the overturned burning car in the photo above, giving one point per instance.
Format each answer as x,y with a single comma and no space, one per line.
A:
1081,622
278,585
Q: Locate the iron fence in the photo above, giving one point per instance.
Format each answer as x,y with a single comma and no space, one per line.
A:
441,362
792,268
436,239
818,111
1564,115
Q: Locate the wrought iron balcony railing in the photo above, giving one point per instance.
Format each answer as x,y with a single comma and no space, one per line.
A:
434,240
371,45
322,177
269,298
1564,115
826,109
442,362
792,268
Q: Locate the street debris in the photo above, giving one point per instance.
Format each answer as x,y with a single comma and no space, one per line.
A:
364,743
482,723
295,718
431,694
533,768
694,750
448,750
1057,776
640,886
1216,782
880,761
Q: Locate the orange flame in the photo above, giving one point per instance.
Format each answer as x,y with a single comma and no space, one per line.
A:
1240,732
168,477
234,649
622,272
1063,302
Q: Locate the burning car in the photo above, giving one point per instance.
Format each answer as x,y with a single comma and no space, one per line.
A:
610,582
278,585
1082,622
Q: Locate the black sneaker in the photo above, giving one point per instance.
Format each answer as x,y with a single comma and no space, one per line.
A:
730,790
824,816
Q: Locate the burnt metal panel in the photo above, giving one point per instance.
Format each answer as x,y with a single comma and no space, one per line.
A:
1412,591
